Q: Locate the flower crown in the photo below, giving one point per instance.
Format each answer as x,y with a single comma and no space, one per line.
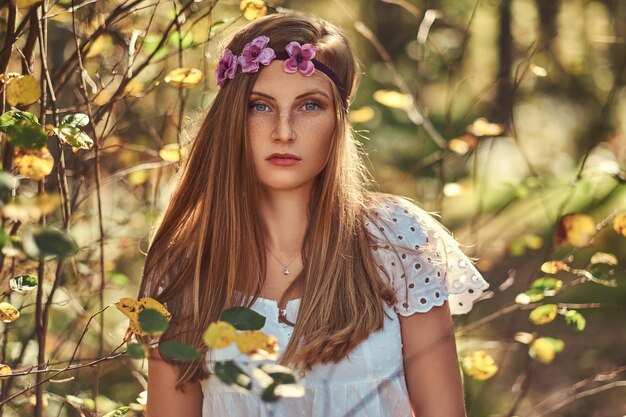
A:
296,58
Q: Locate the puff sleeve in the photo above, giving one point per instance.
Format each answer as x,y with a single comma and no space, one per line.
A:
421,261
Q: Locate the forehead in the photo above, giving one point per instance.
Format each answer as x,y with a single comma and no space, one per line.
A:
274,81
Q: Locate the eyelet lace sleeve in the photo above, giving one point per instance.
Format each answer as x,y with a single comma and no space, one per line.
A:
421,260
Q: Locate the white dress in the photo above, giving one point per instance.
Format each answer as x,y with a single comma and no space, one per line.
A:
425,266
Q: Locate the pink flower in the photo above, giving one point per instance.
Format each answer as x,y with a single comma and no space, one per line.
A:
300,57
255,53
226,67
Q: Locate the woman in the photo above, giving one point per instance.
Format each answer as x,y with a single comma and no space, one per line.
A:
271,213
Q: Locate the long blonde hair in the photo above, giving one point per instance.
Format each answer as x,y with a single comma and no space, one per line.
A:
195,261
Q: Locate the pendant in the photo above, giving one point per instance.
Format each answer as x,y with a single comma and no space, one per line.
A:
286,271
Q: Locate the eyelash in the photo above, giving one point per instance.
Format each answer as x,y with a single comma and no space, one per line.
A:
254,105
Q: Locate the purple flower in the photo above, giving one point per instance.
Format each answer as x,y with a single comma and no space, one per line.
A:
255,53
226,67
300,57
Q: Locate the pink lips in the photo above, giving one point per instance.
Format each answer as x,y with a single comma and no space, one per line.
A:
283,159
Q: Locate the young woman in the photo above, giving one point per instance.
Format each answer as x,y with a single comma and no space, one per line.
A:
271,212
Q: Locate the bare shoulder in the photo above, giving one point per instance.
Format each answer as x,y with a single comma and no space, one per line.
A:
164,399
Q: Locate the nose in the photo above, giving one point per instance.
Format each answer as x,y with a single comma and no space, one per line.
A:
284,131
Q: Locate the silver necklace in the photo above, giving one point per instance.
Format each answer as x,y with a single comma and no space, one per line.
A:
286,270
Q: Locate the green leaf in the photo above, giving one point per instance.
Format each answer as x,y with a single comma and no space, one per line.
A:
119,412
279,373
12,117
137,350
4,237
186,41
153,322
543,314
8,183
243,318
75,119
232,375
45,242
23,283
547,283
576,320
177,350
27,135
118,278
269,393
74,136
150,44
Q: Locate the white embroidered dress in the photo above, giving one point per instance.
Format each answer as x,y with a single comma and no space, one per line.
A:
425,266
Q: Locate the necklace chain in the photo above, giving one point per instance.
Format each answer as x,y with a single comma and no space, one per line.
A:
286,270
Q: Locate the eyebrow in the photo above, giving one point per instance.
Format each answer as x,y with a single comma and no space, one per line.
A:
314,91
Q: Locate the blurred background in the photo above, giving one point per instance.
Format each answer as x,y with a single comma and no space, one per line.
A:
508,118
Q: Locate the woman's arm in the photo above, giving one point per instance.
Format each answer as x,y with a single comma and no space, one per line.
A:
431,366
163,398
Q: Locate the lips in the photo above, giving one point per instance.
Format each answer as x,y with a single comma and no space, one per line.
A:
283,156
283,159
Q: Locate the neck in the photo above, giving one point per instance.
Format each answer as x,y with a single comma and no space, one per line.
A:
285,214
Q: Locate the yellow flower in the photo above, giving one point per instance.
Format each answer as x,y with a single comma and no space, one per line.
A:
479,365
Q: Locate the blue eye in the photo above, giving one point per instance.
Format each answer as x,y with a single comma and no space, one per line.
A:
260,107
310,106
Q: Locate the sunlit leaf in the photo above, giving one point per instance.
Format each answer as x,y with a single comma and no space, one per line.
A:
118,412
26,209
575,229
170,152
537,70
118,278
219,335
184,77
253,9
25,134
23,4
547,284
74,136
544,349
23,90
23,283
5,370
533,241
603,258
524,337
463,144
129,307
12,117
177,350
362,115
35,164
75,119
543,314
552,267
153,322
576,320
148,302
137,350
257,344
8,313
139,176
482,127
479,365
103,45
232,375
393,99
243,318
185,42
619,224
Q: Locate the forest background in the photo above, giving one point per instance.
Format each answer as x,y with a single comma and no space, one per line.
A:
507,117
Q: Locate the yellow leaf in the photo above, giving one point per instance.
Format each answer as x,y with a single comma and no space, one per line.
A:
256,343
23,4
147,302
619,224
482,127
576,229
603,258
479,365
5,370
135,328
103,45
8,313
543,314
393,99
138,177
23,90
253,9
134,88
362,115
35,164
544,349
552,267
170,153
533,241
537,70
184,77
220,335
130,307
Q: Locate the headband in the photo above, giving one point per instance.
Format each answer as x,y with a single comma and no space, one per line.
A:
296,57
